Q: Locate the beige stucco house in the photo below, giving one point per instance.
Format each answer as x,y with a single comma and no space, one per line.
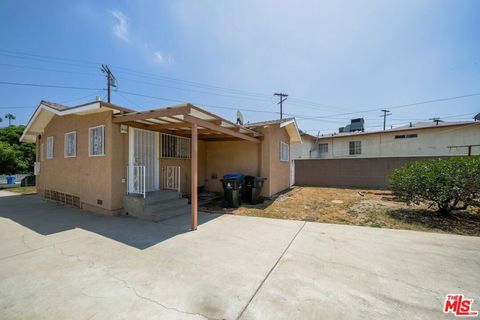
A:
98,155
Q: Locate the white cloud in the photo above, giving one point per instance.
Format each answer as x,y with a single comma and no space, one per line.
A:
120,28
162,59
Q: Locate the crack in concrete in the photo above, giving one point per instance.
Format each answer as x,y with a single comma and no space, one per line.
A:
126,285
25,242
34,249
91,296
131,288
271,270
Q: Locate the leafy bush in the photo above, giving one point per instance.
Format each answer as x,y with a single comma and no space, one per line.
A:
449,183
15,157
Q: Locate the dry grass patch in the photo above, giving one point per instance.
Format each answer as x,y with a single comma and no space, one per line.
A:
23,190
373,208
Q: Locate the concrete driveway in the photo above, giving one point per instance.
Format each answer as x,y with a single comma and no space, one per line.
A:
58,262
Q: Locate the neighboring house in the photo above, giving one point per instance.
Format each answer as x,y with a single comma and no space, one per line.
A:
308,149
93,154
414,140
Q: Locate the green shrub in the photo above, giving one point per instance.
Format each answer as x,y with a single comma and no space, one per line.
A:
448,183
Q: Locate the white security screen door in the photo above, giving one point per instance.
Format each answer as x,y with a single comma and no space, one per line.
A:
143,152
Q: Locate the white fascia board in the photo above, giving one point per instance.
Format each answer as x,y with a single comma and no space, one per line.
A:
85,108
286,123
295,135
35,115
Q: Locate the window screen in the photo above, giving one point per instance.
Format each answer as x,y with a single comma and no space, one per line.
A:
50,144
70,145
284,151
96,143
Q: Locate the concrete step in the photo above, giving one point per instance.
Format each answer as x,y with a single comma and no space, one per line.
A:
160,216
162,195
155,203
166,205
157,206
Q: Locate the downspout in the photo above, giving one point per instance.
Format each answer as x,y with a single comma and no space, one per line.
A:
316,142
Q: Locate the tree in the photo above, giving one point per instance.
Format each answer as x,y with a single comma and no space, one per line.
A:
449,184
15,157
10,117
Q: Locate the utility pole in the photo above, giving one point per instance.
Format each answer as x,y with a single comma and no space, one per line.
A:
436,120
385,114
283,97
111,80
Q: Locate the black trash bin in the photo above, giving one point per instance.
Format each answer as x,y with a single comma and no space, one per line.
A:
232,190
253,189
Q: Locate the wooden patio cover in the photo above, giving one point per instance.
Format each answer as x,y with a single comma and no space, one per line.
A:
189,121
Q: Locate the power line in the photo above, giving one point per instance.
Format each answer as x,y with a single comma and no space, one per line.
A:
137,81
129,93
299,117
397,106
47,86
203,104
48,69
61,102
88,64
67,61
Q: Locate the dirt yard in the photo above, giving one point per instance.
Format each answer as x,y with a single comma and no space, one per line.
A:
373,208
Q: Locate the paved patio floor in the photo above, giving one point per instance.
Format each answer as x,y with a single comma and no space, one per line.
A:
58,262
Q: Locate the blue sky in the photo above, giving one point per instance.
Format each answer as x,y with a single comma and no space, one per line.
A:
336,59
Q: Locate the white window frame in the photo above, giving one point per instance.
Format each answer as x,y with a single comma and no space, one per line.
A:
50,147
287,153
357,147
90,141
325,149
65,144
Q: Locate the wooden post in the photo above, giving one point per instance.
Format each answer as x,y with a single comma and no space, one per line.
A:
469,151
194,176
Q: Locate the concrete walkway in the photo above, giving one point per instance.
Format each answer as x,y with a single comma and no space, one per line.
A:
58,262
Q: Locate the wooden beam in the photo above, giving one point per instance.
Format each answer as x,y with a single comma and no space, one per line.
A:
138,125
182,125
194,176
167,112
220,139
200,131
145,127
172,125
208,125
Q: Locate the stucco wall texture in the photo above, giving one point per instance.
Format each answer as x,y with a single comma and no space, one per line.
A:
100,181
356,173
90,178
